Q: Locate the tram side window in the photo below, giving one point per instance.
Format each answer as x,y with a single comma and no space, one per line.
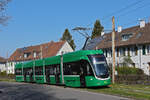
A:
72,68
50,70
47,70
67,69
75,67
18,72
39,70
28,71
25,71
87,68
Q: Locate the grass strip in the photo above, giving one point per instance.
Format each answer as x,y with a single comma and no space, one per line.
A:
139,92
7,80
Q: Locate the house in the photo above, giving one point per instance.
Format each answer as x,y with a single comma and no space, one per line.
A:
37,52
2,64
133,42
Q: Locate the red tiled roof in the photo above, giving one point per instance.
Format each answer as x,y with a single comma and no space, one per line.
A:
48,50
139,36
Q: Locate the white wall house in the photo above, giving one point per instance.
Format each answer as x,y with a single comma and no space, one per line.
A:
133,42
37,52
66,48
10,67
2,64
139,54
2,67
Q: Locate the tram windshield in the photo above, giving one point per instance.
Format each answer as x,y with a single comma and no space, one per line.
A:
100,65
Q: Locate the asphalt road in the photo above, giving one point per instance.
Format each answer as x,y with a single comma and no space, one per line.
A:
26,91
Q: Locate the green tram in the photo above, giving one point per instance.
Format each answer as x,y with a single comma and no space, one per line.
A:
85,68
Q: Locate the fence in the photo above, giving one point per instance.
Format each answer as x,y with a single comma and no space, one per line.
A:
133,79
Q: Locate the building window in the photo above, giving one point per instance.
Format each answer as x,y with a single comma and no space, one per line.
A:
110,53
11,64
128,51
34,54
26,55
124,52
125,37
143,50
136,50
121,52
132,51
106,53
148,49
117,52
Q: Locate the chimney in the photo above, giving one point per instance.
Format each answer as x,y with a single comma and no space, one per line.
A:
102,33
142,23
119,29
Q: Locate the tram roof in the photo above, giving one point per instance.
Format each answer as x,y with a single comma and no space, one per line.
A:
69,57
19,65
72,56
83,53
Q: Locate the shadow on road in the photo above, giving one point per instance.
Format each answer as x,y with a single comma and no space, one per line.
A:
22,91
99,87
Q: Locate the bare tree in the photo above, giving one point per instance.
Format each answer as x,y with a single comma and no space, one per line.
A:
3,16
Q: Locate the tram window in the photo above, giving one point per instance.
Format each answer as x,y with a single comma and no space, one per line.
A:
72,68
18,72
58,69
39,70
67,69
89,69
30,71
47,70
25,71
75,67
85,68
51,70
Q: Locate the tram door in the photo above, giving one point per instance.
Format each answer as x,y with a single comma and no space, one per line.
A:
83,73
48,75
25,73
31,75
57,74
82,77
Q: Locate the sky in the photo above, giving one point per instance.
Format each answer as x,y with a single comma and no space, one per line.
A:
35,22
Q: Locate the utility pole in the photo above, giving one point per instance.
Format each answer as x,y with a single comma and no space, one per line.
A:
113,49
41,51
62,70
6,67
34,69
44,70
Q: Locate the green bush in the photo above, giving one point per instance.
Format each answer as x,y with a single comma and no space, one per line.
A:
129,71
3,73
